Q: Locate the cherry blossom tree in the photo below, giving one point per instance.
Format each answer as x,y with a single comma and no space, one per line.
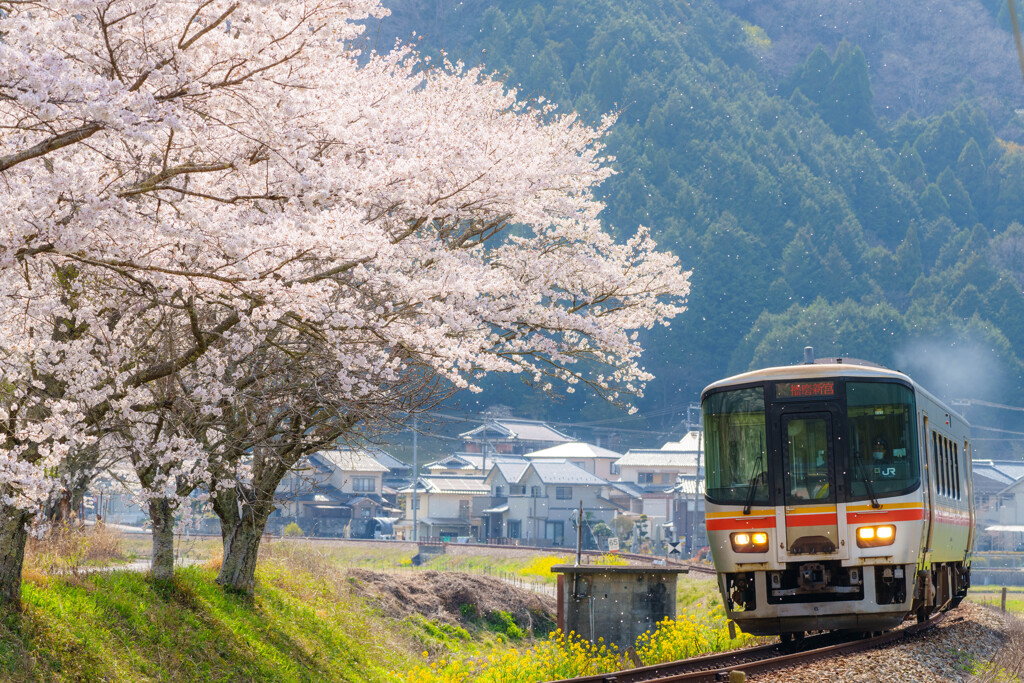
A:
229,237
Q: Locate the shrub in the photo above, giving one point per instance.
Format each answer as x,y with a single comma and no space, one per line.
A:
503,622
293,530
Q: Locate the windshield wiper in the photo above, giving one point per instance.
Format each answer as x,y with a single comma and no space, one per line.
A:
751,489
867,483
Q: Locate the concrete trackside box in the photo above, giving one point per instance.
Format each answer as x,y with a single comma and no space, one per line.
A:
616,603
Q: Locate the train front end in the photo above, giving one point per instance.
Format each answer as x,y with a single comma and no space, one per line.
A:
814,500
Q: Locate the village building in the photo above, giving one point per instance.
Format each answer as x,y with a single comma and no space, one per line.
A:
335,493
512,437
467,464
543,499
600,462
442,508
999,504
657,472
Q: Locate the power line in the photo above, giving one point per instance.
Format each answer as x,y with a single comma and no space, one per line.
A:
995,429
987,404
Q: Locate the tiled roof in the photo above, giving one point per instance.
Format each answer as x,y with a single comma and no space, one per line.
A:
472,461
688,487
350,460
390,461
693,441
629,488
472,486
650,457
512,471
523,430
574,450
561,472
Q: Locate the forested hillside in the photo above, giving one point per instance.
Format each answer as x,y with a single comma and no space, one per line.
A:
808,212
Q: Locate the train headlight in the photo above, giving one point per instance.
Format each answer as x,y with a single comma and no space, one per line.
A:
743,542
874,536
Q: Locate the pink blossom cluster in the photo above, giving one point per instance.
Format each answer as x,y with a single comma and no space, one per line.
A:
187,184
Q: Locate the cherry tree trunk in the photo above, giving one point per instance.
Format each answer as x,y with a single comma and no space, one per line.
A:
161,513
12,554
241,528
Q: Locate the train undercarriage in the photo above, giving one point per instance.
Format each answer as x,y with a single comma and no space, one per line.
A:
826,596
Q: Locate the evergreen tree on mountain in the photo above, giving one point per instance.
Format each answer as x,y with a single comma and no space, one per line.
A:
972,172
847,104
908,167
842,204
960,208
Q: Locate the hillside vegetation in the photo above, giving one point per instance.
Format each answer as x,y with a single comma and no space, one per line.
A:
319,614
806,216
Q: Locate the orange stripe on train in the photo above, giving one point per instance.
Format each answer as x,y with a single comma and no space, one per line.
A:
884,516
740,523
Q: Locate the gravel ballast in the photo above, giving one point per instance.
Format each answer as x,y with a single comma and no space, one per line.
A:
970,635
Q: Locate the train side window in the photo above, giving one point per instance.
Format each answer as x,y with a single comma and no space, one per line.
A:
944,444
956,468
949,466
945,461
935,458
942,464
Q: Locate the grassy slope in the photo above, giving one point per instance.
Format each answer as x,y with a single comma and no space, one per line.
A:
121,626
302,624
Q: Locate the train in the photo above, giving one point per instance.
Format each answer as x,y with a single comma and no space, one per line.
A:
838,498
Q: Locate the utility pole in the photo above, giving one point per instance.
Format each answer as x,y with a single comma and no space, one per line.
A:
691,518
415,481
696,482
579,535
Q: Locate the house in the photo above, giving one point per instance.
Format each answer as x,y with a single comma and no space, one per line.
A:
399,474
658,474
686,521
999,504
594,459
660,467
543,499
512,436
334,493
503,482
467,464
442,508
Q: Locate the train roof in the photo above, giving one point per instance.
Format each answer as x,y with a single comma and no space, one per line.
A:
831,367
809,371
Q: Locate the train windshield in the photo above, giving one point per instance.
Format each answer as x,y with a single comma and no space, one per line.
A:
734,431
882,447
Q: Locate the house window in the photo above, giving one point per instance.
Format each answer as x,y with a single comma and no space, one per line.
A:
366,513
535,492
614,469
516,490
414,503
645,477
563,492
464,509
363,484
514,528
499,491
554,532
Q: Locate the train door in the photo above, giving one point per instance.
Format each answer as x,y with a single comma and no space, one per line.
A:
809,482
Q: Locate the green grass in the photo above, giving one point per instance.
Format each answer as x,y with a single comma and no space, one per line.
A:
303,623
992,596
122,626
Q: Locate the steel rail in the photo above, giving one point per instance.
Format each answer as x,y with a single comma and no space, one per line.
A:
753,660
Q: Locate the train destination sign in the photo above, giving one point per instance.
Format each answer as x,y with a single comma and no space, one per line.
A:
805,389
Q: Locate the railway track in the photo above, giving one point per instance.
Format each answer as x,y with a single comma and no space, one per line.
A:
716,667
